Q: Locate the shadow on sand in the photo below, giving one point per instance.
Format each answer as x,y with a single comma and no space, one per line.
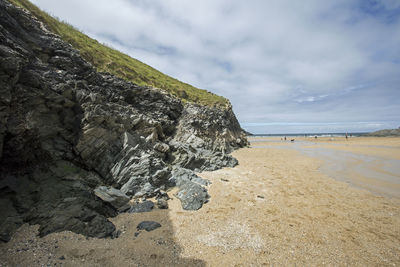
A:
131,248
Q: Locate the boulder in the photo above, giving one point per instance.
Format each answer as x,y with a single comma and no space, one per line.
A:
192,196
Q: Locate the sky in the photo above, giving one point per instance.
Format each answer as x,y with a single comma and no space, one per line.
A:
286,66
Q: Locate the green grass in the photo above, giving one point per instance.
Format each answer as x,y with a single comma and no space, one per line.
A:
106,59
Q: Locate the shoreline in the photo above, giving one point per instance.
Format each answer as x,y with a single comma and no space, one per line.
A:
371,163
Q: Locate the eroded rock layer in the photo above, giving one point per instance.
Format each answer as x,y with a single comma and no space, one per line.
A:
66,130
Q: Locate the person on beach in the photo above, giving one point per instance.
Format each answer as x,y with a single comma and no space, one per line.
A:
285,138
346,136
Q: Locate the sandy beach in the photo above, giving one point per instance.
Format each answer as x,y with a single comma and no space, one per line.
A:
308,203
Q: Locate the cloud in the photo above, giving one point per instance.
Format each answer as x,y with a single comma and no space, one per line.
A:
277,61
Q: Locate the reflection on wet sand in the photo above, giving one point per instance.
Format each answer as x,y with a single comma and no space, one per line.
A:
374,172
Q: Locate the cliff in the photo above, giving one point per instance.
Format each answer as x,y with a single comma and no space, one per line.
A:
76,144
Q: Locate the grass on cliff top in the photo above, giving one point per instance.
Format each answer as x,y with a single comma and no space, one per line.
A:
106,59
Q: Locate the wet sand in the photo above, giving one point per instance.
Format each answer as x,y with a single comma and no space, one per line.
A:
278,207
365,162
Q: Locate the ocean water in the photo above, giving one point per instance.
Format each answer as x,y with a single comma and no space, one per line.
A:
312,134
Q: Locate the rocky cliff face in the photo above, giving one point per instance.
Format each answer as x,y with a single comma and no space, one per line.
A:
66,129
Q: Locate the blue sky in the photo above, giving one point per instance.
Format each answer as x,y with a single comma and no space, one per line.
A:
286,66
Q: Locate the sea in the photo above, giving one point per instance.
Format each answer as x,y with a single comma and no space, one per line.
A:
313,134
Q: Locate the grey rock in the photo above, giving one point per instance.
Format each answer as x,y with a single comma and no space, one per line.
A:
161,147
192,196
116,234
111,195
161,195
124,208
145,190
144,206
162,203
181,176
148,225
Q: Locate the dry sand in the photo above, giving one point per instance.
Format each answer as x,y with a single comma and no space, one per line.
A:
277,207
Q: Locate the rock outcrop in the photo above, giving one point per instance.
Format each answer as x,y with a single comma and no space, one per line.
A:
66,130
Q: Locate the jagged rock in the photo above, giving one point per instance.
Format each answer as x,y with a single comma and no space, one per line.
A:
210,128
181,176
148,225
161,147
192,196
161,194
124,208
145,190
200,159
145,206
111,195
66,129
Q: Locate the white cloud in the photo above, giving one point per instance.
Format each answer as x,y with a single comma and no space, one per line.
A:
275,60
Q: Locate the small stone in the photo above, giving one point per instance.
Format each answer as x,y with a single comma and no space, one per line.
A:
259,196
62,258
224,180
116,234
162,203
148,225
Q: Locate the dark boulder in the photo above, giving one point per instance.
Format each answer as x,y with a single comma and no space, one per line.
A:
148,225
192,196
